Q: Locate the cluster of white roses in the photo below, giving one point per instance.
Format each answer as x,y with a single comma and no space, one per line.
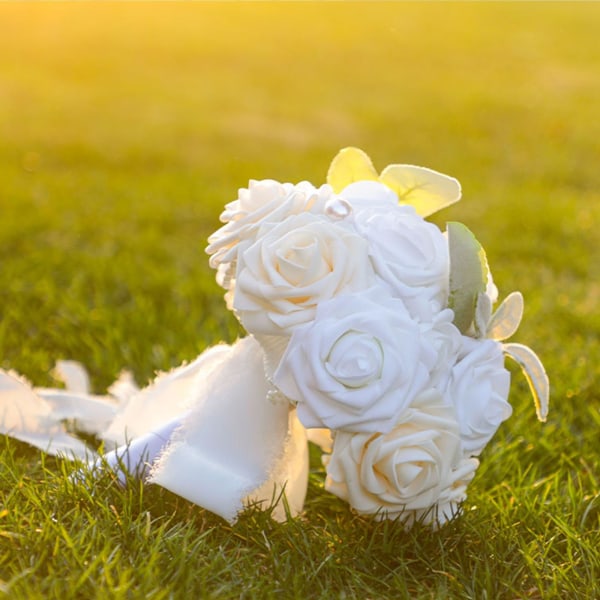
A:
373,329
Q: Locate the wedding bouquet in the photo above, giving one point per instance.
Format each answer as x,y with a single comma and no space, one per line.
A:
367,326
377,327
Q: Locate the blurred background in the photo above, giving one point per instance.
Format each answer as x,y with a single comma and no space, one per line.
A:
125,128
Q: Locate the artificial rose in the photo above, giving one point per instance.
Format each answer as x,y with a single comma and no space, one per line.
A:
262,202
447,341
294,266
357,365
410,255
414,472
369,196
478,388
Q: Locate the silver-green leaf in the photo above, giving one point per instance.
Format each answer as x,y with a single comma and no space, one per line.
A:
534,372
483,313
506,320
468,274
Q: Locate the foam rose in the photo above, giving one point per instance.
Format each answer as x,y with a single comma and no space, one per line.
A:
294,266
263,201
414,472
447,341
408,253
370,196
478,388
358,365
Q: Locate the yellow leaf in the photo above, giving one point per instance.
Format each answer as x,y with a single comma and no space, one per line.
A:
350,165
427,190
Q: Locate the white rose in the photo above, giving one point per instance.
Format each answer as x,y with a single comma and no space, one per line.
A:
447,341
478,388
357,366
410,255
414,472
262,202
369,196
292,267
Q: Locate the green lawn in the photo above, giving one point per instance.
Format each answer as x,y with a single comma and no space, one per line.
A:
124,128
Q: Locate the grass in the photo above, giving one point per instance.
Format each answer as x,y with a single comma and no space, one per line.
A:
126,127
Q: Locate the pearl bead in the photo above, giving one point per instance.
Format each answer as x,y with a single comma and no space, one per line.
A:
338,208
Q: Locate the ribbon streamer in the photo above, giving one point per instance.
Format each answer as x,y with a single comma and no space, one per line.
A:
212,431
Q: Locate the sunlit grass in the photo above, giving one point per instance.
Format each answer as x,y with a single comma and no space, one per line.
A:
124,128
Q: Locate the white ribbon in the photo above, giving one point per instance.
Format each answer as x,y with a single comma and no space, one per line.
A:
29,418
233,440
210,431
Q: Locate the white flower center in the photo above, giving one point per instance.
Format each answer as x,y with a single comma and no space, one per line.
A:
355,359
300,260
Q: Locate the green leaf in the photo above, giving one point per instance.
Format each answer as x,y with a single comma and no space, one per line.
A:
468,274
425,189
536,376
350,165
